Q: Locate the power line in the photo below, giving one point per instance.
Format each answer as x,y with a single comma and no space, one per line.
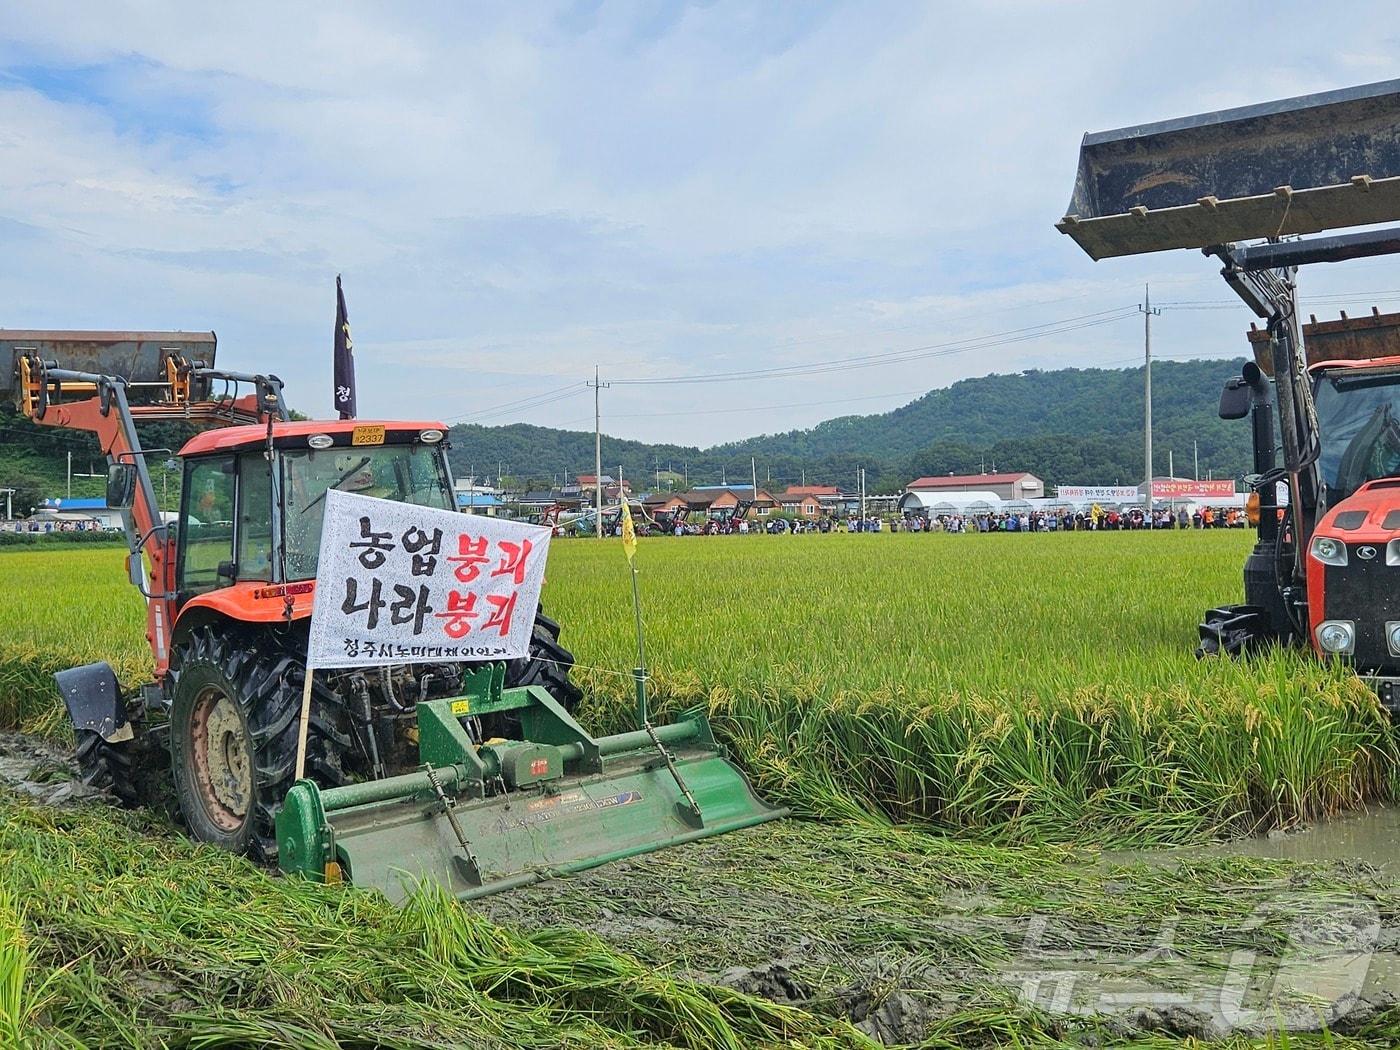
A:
523,404
958,346
766,407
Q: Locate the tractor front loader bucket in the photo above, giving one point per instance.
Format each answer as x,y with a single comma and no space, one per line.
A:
141,358
1302,165
481,818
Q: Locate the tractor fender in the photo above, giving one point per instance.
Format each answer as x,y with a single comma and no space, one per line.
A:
94,701
244,603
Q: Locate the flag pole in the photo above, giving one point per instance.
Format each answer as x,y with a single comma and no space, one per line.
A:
690,812
640,671
629,547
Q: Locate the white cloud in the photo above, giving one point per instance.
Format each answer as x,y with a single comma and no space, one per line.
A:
514,196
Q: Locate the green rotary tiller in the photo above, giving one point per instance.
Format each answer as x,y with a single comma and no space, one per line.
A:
479,818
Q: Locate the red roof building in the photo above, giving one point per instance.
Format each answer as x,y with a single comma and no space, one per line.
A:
1007,486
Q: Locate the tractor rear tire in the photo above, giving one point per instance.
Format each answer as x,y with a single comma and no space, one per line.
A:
234,722
548,664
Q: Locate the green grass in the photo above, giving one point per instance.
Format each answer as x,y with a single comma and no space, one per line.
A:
1014,687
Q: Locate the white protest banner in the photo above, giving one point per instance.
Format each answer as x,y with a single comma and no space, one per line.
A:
398,583
1099,493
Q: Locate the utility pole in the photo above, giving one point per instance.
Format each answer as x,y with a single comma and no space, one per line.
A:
1171,473
1196,457
70,473
753,466
597,455
9,511
1147,312
862,499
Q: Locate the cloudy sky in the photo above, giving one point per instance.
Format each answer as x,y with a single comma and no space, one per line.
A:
520,193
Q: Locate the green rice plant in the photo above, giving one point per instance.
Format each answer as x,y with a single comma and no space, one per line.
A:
1008,686
23,998
151,940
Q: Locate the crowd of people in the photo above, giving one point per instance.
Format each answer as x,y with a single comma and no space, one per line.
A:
1094,519
1091,519
53,525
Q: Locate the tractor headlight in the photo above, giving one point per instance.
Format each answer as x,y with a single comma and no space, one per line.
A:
1336,636
430,437
1392,552
1329,551
1392,636
320,441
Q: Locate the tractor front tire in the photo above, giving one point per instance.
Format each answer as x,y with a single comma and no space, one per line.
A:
234,721
107,767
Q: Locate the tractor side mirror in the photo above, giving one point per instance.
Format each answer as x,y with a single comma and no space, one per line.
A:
136,570
121,486
1235,399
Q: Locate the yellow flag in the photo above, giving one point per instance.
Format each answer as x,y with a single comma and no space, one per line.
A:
629,532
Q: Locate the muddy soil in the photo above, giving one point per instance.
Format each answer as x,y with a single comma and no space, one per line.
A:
1201,943
44,770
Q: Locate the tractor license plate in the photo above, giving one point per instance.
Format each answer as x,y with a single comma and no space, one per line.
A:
367,435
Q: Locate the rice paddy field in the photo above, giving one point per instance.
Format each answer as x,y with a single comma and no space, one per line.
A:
989,741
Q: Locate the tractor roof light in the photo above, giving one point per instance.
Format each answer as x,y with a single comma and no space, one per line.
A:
430,437
1392,636
1337,637
1329,551
1392,552
320,441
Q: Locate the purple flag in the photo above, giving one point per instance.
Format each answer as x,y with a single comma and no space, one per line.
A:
344,357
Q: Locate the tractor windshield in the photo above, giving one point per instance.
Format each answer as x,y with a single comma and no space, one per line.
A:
407,473
1358,413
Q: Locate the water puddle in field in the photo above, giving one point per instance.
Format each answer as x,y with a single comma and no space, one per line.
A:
1371,838
1303,956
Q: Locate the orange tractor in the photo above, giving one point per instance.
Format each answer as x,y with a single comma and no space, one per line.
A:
229,584
1259,188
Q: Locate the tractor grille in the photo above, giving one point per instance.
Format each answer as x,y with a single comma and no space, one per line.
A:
1366,591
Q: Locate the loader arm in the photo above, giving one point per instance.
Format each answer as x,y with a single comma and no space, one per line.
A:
100,404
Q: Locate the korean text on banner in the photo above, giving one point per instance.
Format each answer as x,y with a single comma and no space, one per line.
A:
398,583
1183,489
1104,493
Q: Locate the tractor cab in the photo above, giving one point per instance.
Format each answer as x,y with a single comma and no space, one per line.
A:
1358,415
253,516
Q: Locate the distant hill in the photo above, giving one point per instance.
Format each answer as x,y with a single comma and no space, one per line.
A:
1068,426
